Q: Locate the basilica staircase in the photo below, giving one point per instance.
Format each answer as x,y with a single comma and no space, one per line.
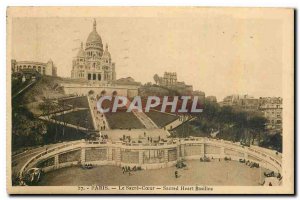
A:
145,120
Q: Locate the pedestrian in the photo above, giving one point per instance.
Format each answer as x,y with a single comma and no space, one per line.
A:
176,174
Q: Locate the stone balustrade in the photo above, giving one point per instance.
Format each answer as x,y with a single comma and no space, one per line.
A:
148,156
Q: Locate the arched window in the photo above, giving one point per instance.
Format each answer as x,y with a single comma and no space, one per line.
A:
94,76
99,77
103,92
89,76
114,93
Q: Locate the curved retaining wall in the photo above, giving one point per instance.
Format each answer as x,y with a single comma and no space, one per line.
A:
148,156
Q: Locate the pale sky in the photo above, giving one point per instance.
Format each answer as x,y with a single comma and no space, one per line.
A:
219,55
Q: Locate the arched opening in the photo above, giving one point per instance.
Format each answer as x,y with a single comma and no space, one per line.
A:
94,76
91,92
99,77
103,92
115,93
89,76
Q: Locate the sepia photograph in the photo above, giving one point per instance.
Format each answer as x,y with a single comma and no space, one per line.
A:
150,100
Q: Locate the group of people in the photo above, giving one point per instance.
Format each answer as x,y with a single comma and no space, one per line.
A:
205,159
128,169
87,166
249,163
100,120
101,125
184,118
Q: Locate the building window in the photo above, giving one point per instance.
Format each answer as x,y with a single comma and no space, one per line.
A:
99,77
89,77
94,76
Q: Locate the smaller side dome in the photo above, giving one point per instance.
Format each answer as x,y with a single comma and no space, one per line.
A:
106,54
81,52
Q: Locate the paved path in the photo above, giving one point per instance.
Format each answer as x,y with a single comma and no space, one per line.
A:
22,158
146,121
226,173
23,89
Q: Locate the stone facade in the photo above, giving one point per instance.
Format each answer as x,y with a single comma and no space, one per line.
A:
272,110
270,107
244,102
93,63
151,157
169,80
110,90
47,68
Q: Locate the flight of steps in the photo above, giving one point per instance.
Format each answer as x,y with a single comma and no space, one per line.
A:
178,122
99,119
146,121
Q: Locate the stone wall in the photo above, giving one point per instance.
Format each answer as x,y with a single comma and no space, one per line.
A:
148,157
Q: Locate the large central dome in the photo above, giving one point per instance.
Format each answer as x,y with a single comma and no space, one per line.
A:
94,39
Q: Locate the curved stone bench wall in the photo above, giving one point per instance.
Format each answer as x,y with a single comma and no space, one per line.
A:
147,157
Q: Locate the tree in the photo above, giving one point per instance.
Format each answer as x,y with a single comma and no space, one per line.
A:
256,124
62,106
156,78
49,110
